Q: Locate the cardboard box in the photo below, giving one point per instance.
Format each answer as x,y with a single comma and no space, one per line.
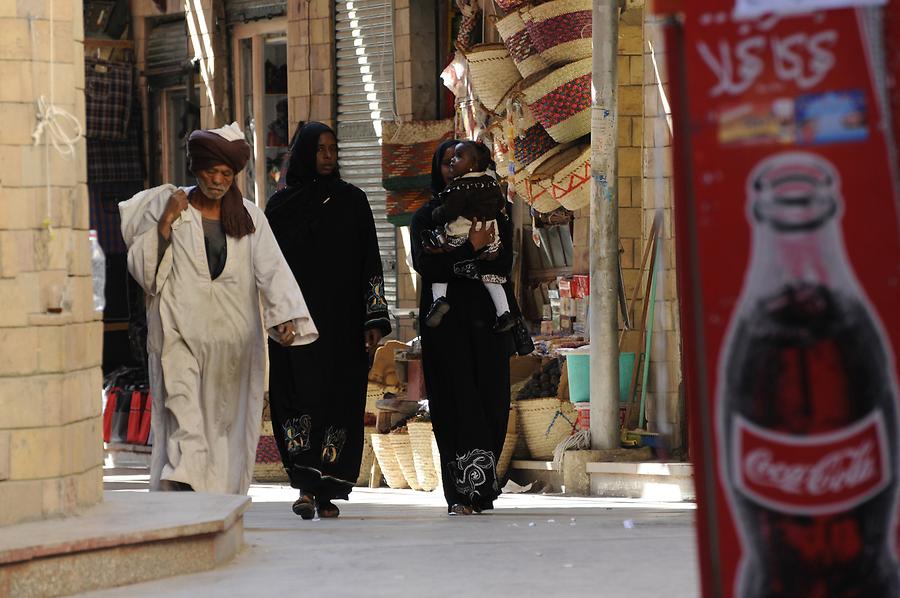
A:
546,328
581,286
565,286
565,324
567,307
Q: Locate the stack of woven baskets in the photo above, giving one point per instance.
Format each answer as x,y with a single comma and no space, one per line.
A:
548,110
409,456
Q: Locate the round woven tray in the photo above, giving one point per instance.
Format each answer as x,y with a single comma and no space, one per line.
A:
538,198
387,460
520,45
368,457
374,393
560,30
545,422
403,451
561,101
493,74
421,438
508,5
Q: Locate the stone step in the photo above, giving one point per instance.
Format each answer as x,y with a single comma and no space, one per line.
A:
130,537
652,481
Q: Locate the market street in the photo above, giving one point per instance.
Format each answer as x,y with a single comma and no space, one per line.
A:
401,543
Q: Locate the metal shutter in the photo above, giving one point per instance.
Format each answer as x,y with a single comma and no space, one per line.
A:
168,50
365,97
245,11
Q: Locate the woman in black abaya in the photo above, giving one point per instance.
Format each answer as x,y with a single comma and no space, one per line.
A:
466,364
317,392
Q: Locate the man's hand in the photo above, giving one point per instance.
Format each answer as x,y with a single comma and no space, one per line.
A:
286,333
483,237
178,202
372,337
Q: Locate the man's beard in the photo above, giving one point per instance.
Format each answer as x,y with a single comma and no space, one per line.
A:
211,192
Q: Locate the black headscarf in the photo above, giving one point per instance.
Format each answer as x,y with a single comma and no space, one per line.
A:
437,179
306,189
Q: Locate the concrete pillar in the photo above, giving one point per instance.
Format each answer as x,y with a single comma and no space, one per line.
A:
51,450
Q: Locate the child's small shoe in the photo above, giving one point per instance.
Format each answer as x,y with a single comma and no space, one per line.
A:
436,313
504,322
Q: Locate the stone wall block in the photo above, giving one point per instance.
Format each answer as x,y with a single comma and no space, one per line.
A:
4,455
36,453
21,500
17,357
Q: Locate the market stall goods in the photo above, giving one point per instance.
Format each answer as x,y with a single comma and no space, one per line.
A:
561,101
421,439
387,460
493,74
568,187
368,458
545,422
403,452
406,154
518,41
560,30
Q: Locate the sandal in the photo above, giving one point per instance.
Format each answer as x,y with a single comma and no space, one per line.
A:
459,509
328,510
305,506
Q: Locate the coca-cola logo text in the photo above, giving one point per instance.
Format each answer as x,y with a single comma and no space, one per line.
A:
812,474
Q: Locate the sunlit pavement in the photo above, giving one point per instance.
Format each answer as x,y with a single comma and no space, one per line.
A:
402,543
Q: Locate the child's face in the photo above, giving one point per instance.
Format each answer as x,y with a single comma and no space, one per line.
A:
463,160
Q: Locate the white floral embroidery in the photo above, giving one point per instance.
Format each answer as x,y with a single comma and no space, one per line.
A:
472,471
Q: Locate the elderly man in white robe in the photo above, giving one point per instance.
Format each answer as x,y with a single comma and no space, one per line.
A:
215,281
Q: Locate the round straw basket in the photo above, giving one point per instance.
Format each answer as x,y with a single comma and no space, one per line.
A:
492,73
374,393
518,41
368,458
436,459
501,150
403,451
421,438
506,455
561,101
545,423
560,30
387,460
538,197
508,5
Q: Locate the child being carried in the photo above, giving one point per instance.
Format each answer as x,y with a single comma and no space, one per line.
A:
471,195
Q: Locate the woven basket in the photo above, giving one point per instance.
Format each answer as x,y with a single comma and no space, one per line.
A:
560,30
568,187
508,5
501,150
545,423
534,196
401,205
374,393
368,457
421,438
561,101
493,74
506,455
268,466
387,460
406,152
518,41
403,451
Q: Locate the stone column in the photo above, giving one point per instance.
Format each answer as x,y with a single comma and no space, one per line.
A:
51,451
208,44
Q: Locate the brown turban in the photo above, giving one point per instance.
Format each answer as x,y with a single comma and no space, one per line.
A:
207,149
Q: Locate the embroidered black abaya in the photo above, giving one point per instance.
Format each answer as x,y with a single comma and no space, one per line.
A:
317,392
466,364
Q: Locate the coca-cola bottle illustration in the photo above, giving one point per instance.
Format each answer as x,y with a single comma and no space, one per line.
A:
806,411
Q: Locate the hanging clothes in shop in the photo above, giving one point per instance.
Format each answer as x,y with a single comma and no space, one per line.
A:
108,92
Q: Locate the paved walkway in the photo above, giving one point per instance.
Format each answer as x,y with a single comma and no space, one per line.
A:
401,543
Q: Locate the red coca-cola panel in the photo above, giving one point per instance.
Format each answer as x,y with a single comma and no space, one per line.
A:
789,281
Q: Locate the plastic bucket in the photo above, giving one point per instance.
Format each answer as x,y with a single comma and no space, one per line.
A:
579,368
578,364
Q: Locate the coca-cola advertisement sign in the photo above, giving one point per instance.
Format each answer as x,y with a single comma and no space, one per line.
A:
788,239
819,474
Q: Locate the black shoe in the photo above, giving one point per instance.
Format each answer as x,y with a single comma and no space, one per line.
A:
522,338
436,313
327,509
305,506
504,323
